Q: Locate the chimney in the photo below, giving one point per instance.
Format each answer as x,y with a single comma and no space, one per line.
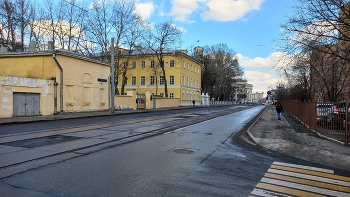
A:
50,45
32,46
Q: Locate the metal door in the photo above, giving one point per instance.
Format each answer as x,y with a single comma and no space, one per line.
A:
26,104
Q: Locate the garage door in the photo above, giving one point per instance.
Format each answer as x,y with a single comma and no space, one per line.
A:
26,104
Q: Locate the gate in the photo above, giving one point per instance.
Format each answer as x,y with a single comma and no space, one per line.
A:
26,104
141,101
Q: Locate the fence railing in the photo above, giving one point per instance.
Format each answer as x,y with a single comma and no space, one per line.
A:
331,120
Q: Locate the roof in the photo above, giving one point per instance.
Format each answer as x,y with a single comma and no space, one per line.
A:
50,53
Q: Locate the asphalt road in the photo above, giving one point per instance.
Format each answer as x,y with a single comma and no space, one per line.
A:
207,158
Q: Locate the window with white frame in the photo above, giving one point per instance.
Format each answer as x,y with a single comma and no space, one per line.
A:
187,82
133,81
171,95
172,63
188,66
194,83
171,80
152,64
190,82
143,81
195,69
183,80
143,63
191,68
161,80
151,80
133,65
184,63
183,95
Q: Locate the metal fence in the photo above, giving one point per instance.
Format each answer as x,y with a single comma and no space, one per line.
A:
331,120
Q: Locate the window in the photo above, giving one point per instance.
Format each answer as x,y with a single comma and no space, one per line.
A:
195,69
171,80
161,80
133,81
161,94
187,82
190,82
125,65
188,66
172,63
143,63
183,80
184,64
143,80
151,80
191,68
194,83
133,65
171,95
152,64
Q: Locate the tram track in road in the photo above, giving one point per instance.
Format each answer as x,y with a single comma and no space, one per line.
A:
31,158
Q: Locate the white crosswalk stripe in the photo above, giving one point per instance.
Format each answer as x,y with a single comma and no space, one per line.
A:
284,179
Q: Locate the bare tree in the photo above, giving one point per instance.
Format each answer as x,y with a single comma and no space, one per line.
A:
8,24
320,28
162,37
220,70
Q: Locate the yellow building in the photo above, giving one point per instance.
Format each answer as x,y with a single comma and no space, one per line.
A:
183,76
44,83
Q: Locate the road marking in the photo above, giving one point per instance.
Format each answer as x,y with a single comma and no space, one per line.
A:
284,179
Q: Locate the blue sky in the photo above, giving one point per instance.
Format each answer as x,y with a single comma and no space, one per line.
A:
250,27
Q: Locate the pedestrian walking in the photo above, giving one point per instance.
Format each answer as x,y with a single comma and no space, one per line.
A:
279,110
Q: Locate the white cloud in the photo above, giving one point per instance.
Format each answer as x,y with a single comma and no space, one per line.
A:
229,10
145,10
216,10
276,59
182,9
261,72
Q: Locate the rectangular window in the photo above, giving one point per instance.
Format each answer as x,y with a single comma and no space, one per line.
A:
172,63
184,64
188,66
133,81
183,81
190,82
152,64
133,65
195,69
171,80
125,65
143,63
187,82
151,80
161,80
143,81
162,94
191,68
171,95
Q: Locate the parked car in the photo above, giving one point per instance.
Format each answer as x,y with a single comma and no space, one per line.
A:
337,114
322,111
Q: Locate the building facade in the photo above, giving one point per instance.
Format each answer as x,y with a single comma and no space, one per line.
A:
241,87
183,76
51,82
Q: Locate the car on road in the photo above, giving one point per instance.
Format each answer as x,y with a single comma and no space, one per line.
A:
337,115
322,110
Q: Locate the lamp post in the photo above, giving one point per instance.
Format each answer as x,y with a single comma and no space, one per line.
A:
112,76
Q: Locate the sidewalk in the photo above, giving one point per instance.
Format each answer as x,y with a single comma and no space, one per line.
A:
290,137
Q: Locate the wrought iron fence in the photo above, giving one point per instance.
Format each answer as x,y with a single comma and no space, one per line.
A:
331,120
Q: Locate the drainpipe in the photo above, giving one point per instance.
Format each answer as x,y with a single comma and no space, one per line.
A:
61,81
55,97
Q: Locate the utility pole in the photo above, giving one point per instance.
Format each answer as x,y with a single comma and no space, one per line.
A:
112,76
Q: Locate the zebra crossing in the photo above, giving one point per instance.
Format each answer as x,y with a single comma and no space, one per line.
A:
284,179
